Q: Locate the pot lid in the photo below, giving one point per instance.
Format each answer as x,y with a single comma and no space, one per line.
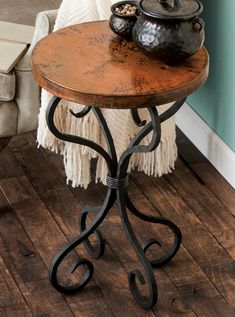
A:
171,9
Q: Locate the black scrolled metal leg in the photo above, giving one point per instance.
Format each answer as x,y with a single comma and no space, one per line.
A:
146,302
171,252
97,251
108,203
117,182
124,202
111,160
100,248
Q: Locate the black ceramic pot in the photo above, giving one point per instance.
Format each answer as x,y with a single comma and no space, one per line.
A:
120,24
169,29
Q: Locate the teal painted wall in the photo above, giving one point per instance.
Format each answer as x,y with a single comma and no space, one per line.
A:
215,102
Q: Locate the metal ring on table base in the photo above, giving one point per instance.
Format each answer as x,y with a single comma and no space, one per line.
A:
117,183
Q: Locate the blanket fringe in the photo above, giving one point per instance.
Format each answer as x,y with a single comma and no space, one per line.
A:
156,163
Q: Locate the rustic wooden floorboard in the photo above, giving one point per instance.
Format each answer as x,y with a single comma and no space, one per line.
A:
206,172
39,213
12,302
218,266
215,216
27,267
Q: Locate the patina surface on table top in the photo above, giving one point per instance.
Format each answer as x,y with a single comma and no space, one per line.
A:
88,64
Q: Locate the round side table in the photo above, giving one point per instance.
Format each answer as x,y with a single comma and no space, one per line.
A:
88,64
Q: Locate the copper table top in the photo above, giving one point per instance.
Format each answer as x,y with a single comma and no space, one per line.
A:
88,64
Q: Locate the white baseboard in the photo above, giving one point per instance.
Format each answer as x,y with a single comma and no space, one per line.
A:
208,142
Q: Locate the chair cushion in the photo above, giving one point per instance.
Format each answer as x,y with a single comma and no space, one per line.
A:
7,86
8,118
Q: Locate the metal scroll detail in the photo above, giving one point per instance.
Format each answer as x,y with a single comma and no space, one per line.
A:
147,244
117,183
109,158
100,214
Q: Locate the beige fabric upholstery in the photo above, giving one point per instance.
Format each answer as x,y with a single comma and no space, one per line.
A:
19,92
7,86
43,26
8,118
27,98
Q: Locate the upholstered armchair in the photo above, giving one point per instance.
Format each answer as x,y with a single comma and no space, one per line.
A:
19,92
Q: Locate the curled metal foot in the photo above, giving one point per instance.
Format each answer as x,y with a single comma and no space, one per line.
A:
89,269
97,251
172,250
149,300
85,234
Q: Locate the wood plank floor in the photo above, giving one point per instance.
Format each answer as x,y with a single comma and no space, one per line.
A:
39,213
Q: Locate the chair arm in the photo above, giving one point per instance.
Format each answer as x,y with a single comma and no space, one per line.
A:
44,25
27,94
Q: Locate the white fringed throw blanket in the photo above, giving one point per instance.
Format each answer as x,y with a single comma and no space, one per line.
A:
77,158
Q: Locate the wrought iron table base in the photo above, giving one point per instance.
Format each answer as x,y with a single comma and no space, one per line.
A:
117,183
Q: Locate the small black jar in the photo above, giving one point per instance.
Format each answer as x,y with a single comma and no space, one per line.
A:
169,29
121,24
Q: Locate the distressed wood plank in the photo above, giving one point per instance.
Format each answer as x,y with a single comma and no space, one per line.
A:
206,172
217,184
211,257
40,226
213,308
212,213
12,302
27,267
8,165
4,142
